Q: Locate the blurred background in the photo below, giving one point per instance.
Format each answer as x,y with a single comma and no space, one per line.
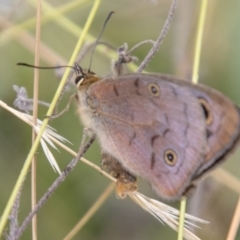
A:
133,21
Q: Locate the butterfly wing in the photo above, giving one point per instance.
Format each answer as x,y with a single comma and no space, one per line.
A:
222,126
155,128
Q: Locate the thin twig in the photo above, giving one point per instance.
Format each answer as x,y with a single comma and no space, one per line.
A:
163,33
35,115
53,187
13,226
140,44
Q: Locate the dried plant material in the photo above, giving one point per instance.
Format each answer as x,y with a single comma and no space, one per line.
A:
22,102
49,132
123,58
166,214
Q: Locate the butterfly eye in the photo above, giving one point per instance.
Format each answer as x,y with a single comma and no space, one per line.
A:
170,157
206,110
154,89
78,79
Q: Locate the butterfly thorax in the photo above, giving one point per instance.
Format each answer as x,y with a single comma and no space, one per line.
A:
88,104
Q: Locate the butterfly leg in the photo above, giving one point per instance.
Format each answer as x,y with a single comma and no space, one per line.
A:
126,182
56,115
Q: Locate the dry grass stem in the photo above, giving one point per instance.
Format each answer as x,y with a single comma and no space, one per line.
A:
35,115
91,211
166,214
235,223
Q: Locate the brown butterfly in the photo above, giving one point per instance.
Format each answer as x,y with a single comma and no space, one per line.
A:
164,129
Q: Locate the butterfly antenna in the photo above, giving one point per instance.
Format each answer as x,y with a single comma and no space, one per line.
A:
103,28
33,66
